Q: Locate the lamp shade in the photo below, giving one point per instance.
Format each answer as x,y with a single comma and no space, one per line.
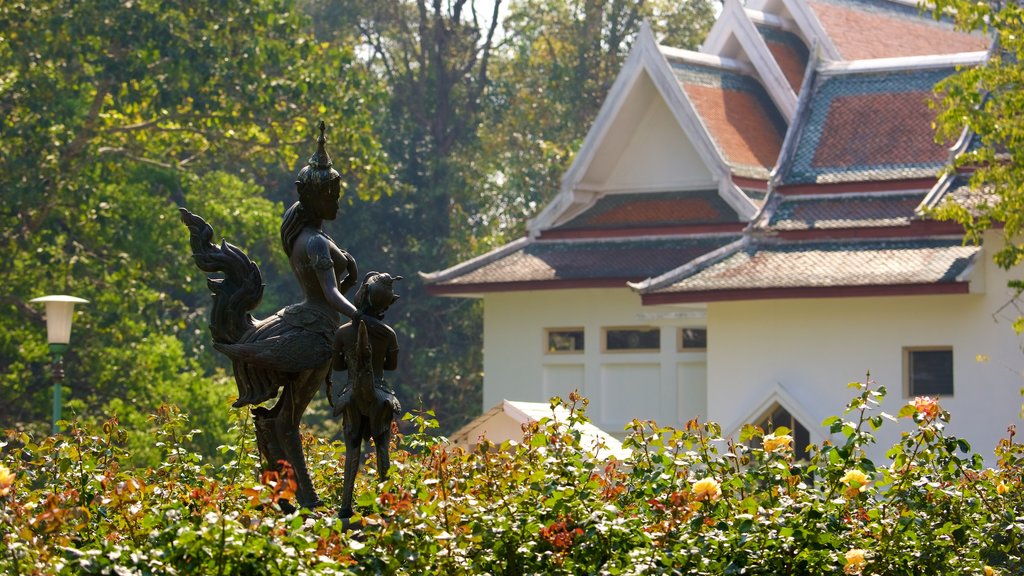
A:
59,313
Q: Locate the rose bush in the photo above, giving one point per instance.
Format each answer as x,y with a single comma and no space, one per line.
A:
686,501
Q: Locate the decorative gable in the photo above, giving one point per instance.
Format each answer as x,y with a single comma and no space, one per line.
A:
646,148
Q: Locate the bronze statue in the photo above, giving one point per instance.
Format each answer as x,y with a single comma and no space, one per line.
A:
366,402
291,350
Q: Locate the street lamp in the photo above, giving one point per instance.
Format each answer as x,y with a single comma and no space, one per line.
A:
60,311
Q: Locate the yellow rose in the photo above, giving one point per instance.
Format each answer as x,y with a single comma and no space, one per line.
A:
773,443
707,489
857,476
989,571
854,561
6,480
1002,489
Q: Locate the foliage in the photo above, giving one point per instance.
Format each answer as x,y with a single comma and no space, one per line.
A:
480,122
987,101
685,502
112,114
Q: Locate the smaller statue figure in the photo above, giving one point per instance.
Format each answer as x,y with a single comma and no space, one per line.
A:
366,403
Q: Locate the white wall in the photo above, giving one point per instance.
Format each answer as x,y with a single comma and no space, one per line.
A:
667,386
813,347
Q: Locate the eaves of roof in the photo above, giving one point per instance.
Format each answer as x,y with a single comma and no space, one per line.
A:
771,268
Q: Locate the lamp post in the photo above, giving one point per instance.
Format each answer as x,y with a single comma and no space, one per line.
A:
60,311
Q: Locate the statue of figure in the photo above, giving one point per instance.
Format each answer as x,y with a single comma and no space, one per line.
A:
366,403
291,350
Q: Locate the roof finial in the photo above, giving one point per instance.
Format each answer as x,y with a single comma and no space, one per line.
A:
321,159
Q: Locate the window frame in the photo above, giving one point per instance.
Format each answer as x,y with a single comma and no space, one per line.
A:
547,341
679,339
638,328
908,383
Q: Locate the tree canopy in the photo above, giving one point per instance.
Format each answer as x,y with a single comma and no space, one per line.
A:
112,114
987,101
449,123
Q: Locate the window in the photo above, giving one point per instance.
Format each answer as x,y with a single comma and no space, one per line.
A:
777,416
928,371
693,339
564,340
632,339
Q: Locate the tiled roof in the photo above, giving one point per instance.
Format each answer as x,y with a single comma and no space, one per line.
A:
956,188
789,52
737,112
868,126
654,209
862,29
624,260
853,211
769,265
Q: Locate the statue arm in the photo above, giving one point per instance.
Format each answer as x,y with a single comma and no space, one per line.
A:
319,253
391,356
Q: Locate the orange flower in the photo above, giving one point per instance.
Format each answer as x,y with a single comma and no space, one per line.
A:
928,406
6,480
707,489
773,443
854,561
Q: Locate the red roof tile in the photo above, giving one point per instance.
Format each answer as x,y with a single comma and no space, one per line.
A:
862,32
739,124
654,209
792,64
876,129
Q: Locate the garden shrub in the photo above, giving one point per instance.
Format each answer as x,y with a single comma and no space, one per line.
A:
687,501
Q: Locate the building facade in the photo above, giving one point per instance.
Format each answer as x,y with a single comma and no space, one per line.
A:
744,231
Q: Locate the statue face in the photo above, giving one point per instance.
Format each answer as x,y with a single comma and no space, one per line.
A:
325,202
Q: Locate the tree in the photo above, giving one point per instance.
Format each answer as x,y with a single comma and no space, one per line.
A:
435,59
559,65
988,101
114,113
478,126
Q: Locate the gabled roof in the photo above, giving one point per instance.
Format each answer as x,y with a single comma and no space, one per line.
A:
686,144
868,121
591,263
765,268
721,109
